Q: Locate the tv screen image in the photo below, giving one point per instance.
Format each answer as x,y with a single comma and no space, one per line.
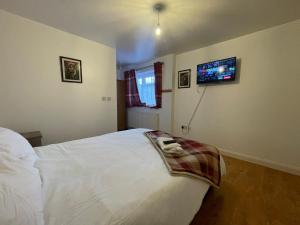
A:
215,71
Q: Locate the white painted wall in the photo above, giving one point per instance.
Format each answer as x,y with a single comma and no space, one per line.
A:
32,96
166,112
257,117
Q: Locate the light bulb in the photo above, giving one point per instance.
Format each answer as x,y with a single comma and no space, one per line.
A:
157,31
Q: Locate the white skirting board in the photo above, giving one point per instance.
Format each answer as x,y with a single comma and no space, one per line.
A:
263,162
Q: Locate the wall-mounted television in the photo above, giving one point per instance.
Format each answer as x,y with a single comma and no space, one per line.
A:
217,71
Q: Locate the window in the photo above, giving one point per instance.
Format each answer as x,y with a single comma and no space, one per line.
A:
146,85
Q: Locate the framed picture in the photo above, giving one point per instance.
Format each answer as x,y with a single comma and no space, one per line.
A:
70,70
184,78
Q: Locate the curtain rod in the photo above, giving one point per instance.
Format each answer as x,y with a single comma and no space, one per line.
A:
145,67
142,68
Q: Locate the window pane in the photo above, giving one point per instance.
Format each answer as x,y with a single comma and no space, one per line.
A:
146,85
140,81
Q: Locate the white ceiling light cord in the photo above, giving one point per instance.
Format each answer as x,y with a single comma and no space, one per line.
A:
196,109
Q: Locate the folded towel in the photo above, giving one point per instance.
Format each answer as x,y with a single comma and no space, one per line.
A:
172,150
165,139
164,146
178,151
169,146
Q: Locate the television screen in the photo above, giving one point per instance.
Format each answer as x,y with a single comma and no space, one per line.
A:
219,70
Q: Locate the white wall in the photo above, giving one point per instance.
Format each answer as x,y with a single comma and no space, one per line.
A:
258,117
32,96
166,112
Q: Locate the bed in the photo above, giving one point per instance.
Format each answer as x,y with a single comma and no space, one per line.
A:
113,179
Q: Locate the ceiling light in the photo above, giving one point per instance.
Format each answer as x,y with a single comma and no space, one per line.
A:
158,7
157,30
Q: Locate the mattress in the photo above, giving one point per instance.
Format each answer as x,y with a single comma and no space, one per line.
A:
116,178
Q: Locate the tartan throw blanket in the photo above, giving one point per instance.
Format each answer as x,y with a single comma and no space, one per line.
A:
199,160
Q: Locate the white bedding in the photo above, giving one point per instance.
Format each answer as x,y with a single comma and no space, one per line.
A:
116,178
20,192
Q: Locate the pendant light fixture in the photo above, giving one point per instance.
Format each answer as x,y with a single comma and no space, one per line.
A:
157,29
158,8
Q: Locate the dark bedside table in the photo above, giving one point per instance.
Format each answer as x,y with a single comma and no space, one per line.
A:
34,138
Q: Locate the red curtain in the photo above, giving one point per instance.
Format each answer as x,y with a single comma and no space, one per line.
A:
132,93
158,83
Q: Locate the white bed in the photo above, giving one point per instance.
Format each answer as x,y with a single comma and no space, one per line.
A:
114,179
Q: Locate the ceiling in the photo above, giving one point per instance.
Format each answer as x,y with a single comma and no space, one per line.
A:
129,25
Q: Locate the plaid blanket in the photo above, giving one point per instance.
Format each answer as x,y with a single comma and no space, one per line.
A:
200,160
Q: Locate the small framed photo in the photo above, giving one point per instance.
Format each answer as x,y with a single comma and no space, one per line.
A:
184,78
70,70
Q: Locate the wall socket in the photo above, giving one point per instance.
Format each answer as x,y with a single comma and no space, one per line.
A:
185,128
106,98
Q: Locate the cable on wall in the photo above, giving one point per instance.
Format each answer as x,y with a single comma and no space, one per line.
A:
188,127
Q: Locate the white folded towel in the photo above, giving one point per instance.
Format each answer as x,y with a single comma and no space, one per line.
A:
164,146
173,148
178,151
165,139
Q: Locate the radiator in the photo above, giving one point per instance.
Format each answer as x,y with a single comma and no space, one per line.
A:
142,119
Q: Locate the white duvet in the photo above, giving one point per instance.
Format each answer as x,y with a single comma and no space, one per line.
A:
20,192
117,178
20,183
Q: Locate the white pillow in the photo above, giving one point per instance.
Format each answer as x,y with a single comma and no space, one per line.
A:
14,144
20,192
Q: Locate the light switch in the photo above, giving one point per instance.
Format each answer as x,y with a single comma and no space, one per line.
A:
108,98
103,98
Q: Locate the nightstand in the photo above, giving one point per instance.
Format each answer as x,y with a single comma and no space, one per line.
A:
34,138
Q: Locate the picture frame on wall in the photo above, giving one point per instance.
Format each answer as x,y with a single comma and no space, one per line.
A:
184,78
71,70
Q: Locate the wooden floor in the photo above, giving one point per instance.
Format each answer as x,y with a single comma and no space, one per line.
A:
252,195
